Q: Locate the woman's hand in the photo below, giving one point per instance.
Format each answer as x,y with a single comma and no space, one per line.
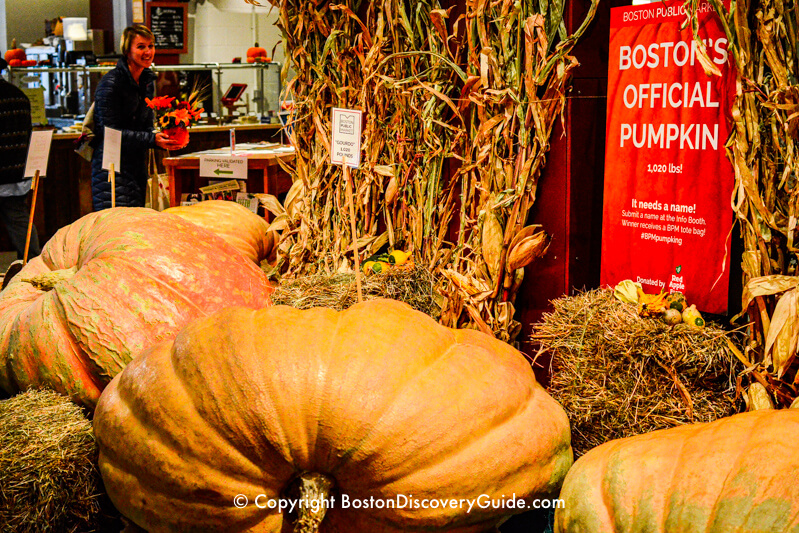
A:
163,141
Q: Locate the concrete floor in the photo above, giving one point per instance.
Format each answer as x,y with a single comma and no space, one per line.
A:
6,258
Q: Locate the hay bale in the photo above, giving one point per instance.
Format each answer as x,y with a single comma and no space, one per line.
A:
48,475
414,286
619,375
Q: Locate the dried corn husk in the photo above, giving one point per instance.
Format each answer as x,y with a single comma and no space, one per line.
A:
783,332
763,46
454,138
757,398
527,250
492,240
391,191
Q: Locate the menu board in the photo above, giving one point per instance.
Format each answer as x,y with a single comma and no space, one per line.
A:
168,21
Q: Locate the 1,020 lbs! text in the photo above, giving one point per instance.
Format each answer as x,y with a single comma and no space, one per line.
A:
664,169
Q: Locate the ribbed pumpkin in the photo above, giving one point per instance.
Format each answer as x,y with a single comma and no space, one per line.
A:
119,281
239,226
256,54
380,399
734,475
15,53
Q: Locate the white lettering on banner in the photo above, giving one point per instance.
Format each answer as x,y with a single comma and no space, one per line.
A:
666,54
661,12
690,136
674,95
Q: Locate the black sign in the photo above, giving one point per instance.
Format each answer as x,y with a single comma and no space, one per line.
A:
167,20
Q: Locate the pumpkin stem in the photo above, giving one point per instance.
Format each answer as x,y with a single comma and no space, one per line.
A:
312,487
48,280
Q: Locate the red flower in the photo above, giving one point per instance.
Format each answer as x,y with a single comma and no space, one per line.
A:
159,102
182,117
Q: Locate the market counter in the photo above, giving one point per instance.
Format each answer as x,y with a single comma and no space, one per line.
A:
65,192
264,172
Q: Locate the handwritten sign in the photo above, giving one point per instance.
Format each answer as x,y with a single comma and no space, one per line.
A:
223,166
36,97
112,148
38,153
168,22
346,144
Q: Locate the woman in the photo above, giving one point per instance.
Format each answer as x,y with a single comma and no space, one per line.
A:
119,104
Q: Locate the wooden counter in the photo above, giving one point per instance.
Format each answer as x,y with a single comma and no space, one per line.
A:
264,173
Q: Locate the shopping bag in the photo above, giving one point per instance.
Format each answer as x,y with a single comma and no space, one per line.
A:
157,194
83,145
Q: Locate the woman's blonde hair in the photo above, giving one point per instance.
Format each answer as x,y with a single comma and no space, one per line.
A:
130,33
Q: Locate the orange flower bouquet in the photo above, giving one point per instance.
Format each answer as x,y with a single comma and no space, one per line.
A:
173,117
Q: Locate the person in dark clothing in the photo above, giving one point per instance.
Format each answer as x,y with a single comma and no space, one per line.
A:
15,133
119,103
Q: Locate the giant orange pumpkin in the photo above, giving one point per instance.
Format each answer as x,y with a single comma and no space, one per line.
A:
378,401
119,281
734,475
239,226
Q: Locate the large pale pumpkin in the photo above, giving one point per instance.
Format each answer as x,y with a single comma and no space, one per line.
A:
239,226
734,475
119,281
380,399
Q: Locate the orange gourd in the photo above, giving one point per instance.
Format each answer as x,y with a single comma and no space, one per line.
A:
106,287
257,54
734,475
15,54
240,227
379,400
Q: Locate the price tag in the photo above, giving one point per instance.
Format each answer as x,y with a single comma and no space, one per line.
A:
223,167
112,147
38,153
346,144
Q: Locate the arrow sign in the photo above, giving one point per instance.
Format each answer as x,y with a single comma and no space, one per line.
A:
214,166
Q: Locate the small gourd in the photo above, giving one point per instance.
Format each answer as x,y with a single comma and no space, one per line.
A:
693,318
676,300
672,317
15,54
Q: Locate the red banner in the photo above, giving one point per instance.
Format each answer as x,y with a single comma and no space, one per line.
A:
668,182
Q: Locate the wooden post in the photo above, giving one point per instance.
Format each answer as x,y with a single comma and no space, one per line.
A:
351,202
112,179
35,188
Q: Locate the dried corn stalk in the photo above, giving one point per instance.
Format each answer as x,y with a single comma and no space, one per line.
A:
459,110
763,36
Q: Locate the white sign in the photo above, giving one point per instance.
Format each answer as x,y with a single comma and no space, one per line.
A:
223,166
112,147
38,153
346,144
36,97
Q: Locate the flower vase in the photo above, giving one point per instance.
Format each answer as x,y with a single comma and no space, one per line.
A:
179,134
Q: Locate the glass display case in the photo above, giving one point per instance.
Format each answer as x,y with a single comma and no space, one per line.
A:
69,91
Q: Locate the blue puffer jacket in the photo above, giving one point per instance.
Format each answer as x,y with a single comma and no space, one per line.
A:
119,104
